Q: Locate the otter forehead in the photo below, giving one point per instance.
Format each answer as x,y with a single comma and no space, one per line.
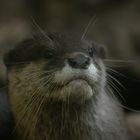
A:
34,48
62,45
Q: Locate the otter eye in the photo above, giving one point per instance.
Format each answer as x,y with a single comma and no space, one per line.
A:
91,51
47,54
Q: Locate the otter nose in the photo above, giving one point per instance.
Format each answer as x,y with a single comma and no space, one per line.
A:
79,61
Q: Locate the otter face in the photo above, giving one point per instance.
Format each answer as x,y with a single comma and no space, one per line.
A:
66,67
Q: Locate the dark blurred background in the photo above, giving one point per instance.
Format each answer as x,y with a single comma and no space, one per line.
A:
117,27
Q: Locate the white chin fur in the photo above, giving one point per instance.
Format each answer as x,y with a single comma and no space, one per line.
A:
76,88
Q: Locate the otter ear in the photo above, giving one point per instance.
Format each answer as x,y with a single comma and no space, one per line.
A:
20,54
103,51
15,55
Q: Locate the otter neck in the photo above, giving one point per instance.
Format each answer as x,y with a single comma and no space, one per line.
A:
63,121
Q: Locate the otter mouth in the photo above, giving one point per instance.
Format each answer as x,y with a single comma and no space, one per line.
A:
78,79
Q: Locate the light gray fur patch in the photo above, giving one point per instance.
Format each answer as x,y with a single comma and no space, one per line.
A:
68,72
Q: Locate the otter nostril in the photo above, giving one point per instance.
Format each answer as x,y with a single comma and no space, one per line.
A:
72,62
79,61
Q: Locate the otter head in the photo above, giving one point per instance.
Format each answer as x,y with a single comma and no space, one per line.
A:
63,67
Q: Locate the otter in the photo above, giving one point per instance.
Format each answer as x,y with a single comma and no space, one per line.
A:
57,90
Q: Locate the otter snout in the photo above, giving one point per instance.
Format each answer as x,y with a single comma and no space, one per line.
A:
79,61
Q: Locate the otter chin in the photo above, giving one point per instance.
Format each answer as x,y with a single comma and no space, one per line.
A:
76,90
58,91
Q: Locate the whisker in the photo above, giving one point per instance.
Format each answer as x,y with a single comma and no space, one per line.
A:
128,108
92,21
113,86
41,30
119,104
31,102
18,63
32,115
121,74
37,74
120,61
114,71
37,112
31,98
113,78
